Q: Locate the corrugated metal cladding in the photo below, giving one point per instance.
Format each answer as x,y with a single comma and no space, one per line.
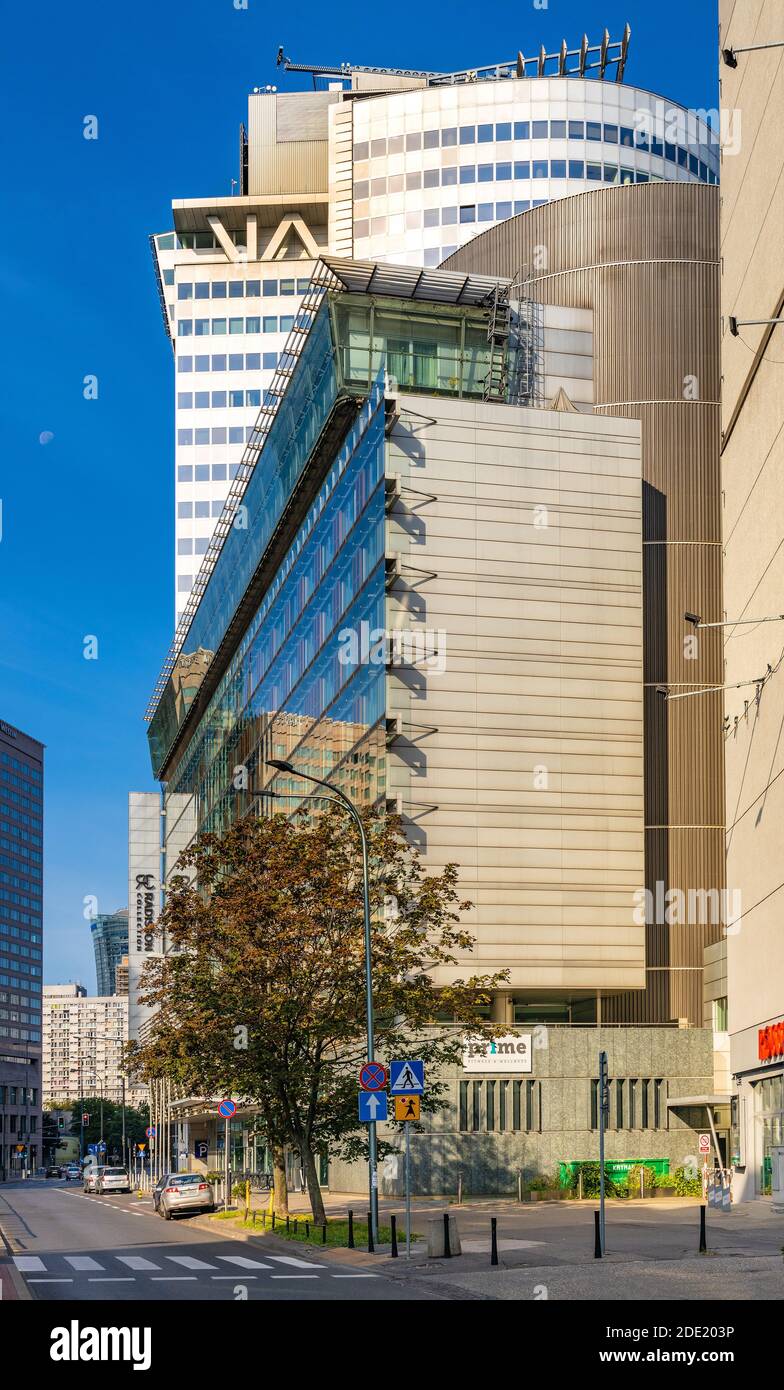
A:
303,115
288,165
644,259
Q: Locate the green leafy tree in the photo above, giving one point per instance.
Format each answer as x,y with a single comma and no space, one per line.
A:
136,1121
263,996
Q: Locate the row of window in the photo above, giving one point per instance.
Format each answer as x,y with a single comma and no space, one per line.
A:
24,853
220,434
239,289
18,1095
16,916
21,935
220,328
19,1124
19,801
502,131
222,362
634,1103
7,964
502,1106
20,782
16,1034
203,328
20,899
34,773
519,169
196,241
217,400
508,1105
199,510
20,834
13,982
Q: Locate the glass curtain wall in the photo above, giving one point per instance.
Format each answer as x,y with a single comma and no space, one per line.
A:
307,681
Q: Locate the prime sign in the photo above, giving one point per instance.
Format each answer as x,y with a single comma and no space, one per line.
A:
510,1053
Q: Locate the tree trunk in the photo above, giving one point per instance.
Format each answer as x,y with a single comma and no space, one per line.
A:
314,1189
281,1190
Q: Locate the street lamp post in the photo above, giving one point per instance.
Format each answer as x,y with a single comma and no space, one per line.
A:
282,766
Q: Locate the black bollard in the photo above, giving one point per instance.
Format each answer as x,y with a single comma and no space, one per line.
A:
351,1230
371,1246
494,1240
393,1224
703,1242
597,1236
324,1234
447,1243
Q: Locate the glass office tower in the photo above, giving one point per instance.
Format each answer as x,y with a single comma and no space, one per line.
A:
21,949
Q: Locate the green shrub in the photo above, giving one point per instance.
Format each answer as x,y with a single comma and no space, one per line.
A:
591,1178
665,1180
543,1183
633,1178
685,1184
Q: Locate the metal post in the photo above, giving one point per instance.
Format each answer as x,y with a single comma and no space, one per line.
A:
604,1106
447,1244
494,1240
226,1169
351,1230
597,1236
371,1246
393,1225
408,1189
373,1174
703,1242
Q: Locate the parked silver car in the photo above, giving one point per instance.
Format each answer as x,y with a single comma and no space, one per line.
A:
178,1193
90,1177
113,1180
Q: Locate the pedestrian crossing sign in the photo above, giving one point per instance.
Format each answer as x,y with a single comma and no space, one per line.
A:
407,1077
407,1107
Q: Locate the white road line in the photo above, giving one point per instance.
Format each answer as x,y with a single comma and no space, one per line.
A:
243,1262
190,1262
293,1276
173,1279
299,1264
29,1264
355,1276
50,1281
83,1263
114,1279
233,1276
137,1262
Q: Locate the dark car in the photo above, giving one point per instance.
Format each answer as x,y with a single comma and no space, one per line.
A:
53,1171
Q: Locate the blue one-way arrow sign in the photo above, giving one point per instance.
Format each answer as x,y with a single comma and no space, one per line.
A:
372,1106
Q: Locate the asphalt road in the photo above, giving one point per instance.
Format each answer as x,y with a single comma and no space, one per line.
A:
71,1246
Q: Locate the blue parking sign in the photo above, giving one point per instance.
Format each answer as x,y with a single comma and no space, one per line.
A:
407,1078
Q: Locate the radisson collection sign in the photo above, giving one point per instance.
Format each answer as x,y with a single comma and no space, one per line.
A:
510,1054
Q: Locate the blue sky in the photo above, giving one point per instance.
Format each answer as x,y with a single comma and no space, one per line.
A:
86,548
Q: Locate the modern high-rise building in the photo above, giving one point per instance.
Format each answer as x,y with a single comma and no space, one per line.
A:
439,605
21,948
109,931
390,166
83,1040
752,479
645,261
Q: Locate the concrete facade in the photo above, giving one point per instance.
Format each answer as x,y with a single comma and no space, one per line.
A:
556,1123
752,247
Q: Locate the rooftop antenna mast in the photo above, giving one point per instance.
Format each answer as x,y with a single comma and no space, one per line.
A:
604,58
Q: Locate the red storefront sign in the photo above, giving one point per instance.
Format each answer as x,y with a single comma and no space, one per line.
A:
771,1041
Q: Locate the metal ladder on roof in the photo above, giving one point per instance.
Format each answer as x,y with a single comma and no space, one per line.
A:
498,327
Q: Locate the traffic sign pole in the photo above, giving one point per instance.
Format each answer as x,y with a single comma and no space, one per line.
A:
226,1123
408,1189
